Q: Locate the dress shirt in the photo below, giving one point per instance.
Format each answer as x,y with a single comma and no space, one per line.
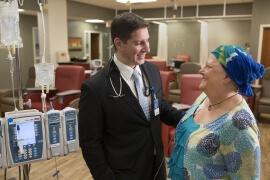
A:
126,73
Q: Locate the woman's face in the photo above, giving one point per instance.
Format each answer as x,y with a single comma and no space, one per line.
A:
213,75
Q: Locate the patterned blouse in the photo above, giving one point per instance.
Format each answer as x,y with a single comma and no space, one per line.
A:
227,148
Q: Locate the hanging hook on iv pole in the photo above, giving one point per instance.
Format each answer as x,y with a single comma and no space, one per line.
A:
21,2
41,1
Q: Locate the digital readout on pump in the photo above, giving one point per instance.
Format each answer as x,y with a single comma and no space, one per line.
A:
54,129
70,126
26,133
26,139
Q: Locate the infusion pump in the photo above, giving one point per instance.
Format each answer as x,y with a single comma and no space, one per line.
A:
28,136
24,137
3,162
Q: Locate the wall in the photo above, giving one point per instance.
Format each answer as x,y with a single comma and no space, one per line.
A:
184,38
84,11
261,15
153,32
26,53
228,32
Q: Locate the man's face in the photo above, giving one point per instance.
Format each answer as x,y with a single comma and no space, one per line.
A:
133,52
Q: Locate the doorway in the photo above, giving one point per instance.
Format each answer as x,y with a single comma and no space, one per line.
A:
93,45
264,46
265,53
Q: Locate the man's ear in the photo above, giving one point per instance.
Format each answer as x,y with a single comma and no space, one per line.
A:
227,79
118,43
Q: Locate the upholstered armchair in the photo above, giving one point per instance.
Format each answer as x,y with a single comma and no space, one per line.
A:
166,77
174,87
68,80
183,57
264,98
161,64
189,91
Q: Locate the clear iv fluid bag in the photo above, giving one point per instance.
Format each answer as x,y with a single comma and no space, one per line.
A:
9,24
1,10
44,74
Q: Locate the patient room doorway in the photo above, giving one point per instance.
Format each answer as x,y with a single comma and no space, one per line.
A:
93,45
265,56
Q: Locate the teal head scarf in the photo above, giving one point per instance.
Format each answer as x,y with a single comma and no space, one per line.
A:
239,66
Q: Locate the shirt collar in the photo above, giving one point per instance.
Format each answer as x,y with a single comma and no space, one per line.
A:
125,70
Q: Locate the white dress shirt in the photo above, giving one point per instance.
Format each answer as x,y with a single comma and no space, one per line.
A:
126,73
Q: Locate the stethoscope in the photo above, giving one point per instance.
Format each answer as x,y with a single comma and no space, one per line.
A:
119,95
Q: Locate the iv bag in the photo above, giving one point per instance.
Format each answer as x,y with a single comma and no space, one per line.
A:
9,23
44,75
1,10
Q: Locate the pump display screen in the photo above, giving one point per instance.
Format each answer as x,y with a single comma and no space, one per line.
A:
70,125
26,132
25,138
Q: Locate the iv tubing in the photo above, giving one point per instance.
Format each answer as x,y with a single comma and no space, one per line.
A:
19,78
43,98
10,58
44,34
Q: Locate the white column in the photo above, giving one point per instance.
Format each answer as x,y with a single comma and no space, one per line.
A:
203,43
55,15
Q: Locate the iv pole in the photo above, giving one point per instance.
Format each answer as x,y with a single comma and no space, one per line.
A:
26,169
19,78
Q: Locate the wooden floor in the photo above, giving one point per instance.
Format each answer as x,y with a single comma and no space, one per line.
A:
73,167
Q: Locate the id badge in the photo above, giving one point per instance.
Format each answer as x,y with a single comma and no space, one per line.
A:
156,107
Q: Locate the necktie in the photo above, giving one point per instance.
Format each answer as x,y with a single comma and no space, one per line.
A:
143,100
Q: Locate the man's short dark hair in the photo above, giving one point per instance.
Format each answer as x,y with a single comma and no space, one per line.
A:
124,24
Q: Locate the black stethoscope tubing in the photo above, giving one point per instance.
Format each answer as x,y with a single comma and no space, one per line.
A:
117,95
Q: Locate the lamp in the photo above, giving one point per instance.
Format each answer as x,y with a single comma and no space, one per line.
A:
94,21
135,1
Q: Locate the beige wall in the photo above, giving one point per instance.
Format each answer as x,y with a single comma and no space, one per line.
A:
228,32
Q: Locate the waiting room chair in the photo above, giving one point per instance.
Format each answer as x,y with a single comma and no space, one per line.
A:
183,57
6,99
189,92
75,104
161,64
68,80
166,77
174,87
264,97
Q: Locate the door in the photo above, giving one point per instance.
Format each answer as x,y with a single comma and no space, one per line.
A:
94,45
265,54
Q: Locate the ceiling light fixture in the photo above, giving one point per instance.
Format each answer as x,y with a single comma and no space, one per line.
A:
94,21
135,1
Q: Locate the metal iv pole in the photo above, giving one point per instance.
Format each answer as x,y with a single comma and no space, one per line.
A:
26,168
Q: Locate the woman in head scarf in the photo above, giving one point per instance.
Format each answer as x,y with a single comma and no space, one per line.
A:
218,138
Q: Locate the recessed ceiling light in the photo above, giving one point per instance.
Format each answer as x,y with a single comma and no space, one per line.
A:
135,1
94,21
20,10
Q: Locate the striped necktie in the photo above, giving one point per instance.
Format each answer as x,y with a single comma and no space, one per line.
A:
143,100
